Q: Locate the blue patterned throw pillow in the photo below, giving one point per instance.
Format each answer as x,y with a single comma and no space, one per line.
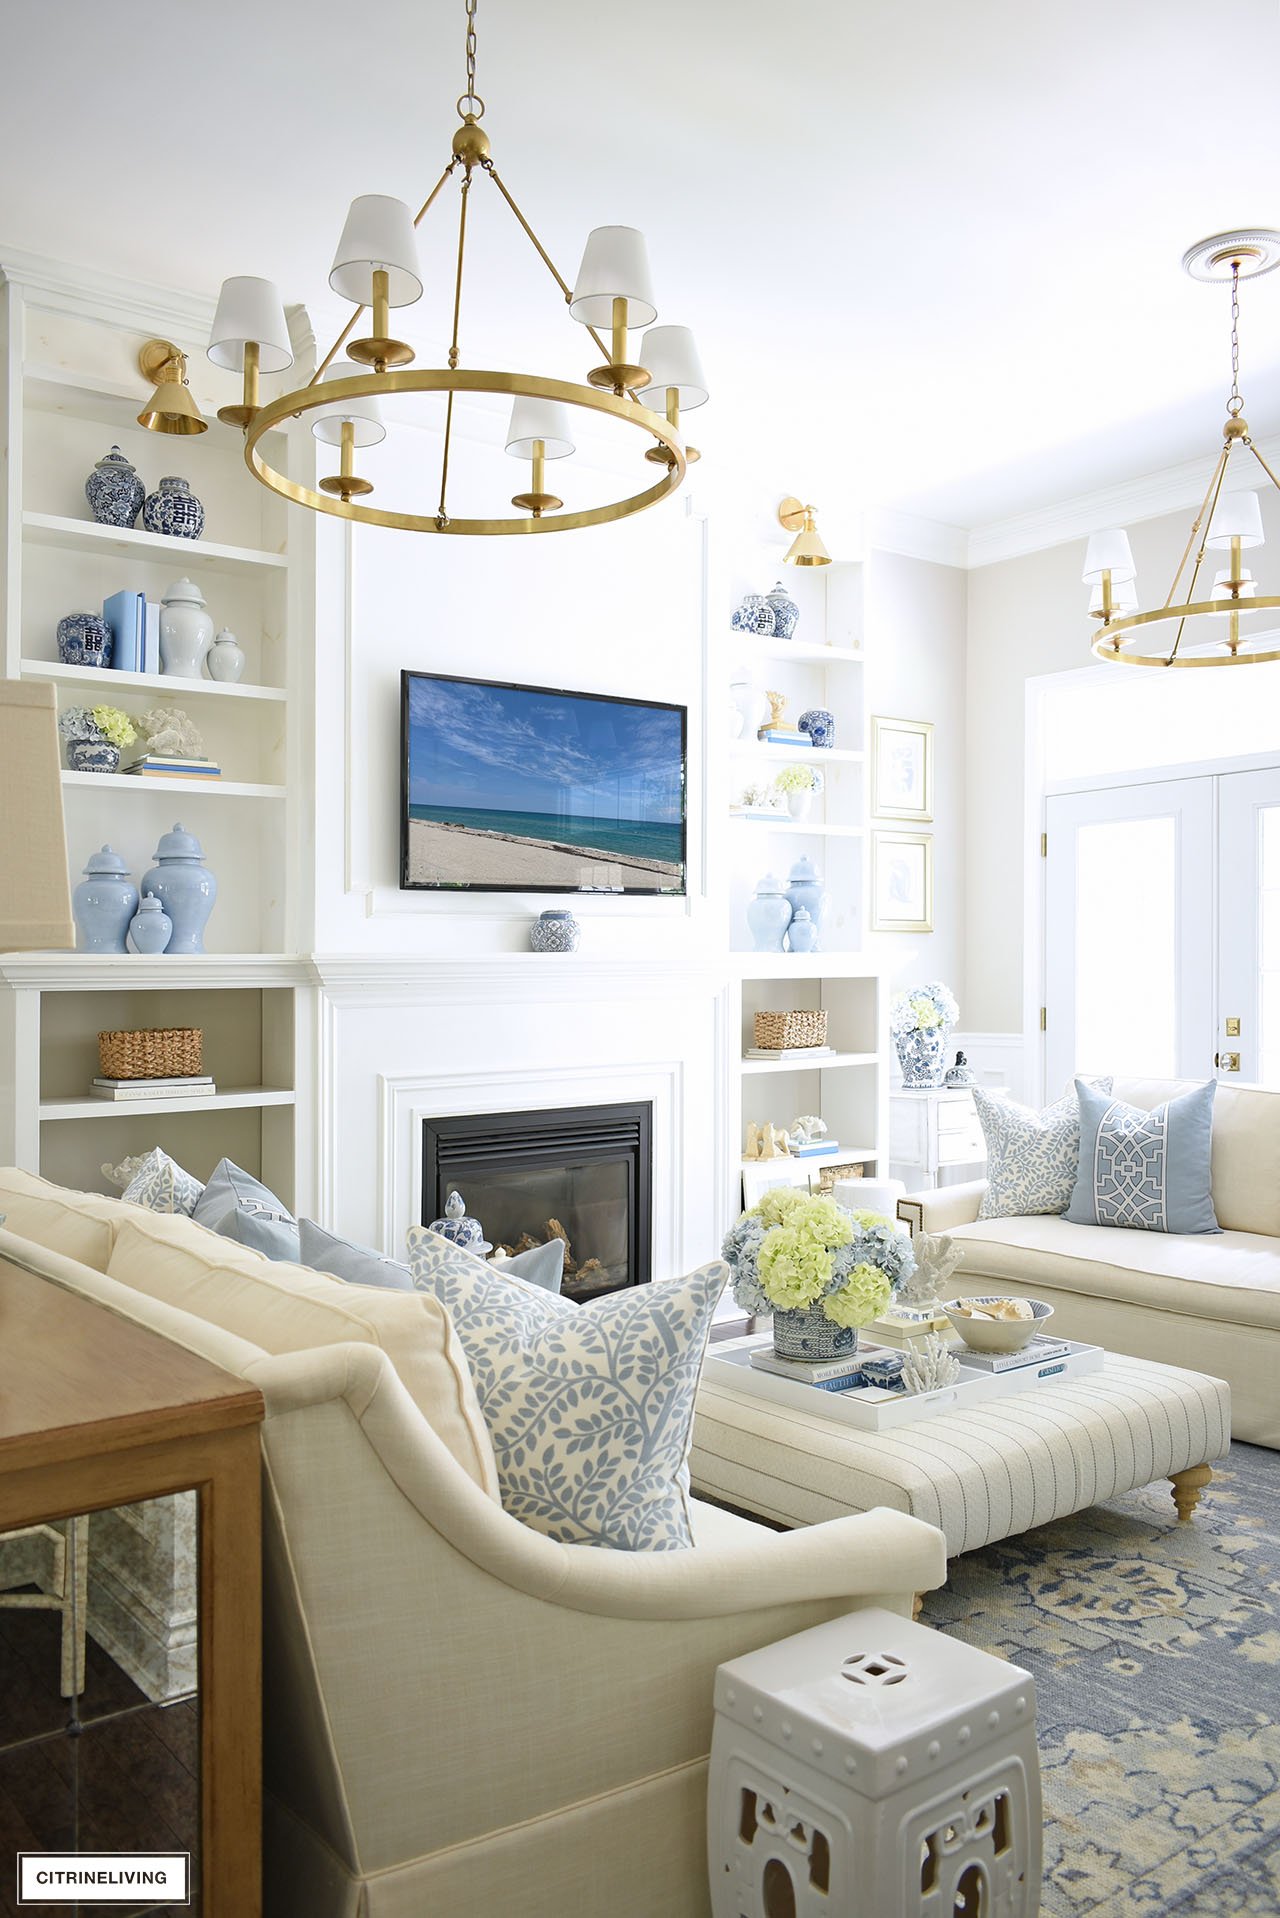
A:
161,1185
1146,1170
242,1208
589,1407
1032,1157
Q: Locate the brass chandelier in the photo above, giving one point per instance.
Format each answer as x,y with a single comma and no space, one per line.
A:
376,267
1232,521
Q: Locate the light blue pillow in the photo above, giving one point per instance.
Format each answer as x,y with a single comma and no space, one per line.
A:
1145,1170
240,1207
161,1185
343,1259
1032,1157
589,1407
541,1265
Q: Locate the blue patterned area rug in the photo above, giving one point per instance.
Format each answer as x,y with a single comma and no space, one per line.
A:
1155,1648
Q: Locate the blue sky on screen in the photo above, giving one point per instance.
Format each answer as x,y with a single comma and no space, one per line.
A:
543,752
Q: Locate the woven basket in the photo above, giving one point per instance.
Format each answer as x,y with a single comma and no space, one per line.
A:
778,1030
172,1052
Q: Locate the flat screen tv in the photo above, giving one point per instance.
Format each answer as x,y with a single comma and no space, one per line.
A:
525,789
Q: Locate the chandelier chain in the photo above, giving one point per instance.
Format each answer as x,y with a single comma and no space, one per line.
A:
470,101
1235,405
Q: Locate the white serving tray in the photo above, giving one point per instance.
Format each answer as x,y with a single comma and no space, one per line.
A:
870,1407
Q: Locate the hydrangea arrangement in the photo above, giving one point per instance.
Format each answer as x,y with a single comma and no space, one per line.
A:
923,1009
797,1249
80,725
799,779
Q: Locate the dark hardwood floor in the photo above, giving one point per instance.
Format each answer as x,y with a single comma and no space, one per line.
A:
126,1780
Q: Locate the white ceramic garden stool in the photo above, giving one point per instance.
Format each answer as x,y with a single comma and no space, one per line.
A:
872,1768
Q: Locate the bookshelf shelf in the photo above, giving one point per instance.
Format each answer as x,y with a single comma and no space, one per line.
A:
232,1100
198,555
188,786
161,684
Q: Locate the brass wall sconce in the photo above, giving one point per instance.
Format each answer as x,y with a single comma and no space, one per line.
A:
806,549
171,408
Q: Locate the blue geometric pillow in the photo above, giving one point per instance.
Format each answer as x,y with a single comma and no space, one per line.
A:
1145,1170
589,1407
1032,1157
242,1208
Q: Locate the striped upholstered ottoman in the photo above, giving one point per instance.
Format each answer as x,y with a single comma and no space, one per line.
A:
979,1475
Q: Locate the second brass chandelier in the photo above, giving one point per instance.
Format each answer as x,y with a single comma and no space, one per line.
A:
376,267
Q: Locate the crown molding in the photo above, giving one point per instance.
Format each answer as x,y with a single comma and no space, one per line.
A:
106,297
1173,489
910,537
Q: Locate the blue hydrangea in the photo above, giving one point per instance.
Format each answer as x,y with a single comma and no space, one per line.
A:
883,1245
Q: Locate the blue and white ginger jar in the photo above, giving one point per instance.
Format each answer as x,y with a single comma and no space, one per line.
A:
555,931
754,615
808,1333
84,639
104,902
819,724
459,1228
173,509
185,888
786,613
920,1054
114,491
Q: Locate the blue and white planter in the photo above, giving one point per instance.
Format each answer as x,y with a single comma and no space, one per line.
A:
84,639
809,1334
114,491
555,931
921,1055
173,509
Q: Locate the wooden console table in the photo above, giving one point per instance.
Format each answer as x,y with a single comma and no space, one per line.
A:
96,1411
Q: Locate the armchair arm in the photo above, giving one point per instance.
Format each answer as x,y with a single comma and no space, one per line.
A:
938,1211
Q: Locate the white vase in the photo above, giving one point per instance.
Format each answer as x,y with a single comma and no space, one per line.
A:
186,630
226,659
798,803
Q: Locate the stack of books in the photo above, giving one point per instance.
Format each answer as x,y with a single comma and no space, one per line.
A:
829,1375
782,736
169,766
200,1086
1040,1350
790,1052
135,632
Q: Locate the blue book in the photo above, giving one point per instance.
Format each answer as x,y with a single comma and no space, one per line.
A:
125,614
151,637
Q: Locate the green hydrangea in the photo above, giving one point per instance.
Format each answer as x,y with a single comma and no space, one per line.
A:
779,1205
116,727
927,1015
827,1221
794,1267
864,1296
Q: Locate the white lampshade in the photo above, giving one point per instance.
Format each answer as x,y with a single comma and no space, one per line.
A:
1237,516
364,413
1108,552
615,264
1124,598
250,309
544,420
378,234
670,358
1247,588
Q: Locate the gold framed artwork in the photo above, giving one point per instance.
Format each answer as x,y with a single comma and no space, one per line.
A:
902,882
902,769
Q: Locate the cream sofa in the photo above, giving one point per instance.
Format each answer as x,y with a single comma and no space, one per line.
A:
462,1716
1210,1301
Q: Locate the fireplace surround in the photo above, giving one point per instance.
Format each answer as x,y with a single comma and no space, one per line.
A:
581,1173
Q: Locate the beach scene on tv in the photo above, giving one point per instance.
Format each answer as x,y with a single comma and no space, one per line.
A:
511,786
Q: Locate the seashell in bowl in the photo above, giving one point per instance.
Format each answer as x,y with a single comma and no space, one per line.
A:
997,1323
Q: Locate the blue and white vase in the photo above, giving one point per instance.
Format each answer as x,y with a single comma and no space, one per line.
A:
114,491
93,756
555,931
802,933
819,724
809,1334
768,914
173,509
786,613
151,928
185,888
459,1228
84,639
806,891
104,902
920,1054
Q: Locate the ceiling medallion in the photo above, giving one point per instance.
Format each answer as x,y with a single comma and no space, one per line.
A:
1232,522
376,267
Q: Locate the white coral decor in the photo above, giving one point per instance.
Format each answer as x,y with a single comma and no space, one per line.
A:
930,1366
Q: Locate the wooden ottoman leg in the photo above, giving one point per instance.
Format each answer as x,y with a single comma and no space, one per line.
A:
917,1605
1187,1487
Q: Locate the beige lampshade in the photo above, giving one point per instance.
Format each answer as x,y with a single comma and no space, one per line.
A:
35,891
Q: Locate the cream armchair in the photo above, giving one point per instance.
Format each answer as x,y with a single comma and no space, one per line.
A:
466,1717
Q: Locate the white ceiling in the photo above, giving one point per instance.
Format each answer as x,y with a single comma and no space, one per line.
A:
932,246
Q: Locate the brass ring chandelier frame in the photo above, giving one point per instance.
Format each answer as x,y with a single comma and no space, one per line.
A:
470,152
1108,640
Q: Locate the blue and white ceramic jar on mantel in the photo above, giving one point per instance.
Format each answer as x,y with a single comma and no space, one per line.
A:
555,931
104,902
173,509
459,1228
185,888
114,491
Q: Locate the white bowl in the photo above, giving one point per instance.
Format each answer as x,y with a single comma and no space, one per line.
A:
996,1335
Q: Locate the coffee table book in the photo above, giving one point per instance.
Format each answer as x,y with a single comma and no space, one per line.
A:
875,1410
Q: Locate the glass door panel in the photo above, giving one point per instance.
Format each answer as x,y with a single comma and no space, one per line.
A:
1248,1028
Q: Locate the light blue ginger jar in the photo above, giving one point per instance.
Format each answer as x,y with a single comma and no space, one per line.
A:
768,914
819,724
786,613
459,1228
104,902
151,927
84,639
555,931
114,491
802,933
173,509
185,888
806,891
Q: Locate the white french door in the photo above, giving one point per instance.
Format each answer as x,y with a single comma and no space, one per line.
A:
1162,929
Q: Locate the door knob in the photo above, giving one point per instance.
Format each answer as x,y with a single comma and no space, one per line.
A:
1227,1061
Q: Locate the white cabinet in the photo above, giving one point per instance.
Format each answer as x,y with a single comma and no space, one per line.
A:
935,1137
